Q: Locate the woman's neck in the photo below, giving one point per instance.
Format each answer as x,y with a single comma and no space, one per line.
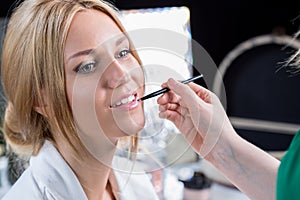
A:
94,180
92,174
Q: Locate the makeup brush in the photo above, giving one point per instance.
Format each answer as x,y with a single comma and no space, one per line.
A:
166,89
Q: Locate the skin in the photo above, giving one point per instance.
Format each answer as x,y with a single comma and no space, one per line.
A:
199,115
94,84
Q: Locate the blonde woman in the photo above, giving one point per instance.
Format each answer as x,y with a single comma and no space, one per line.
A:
72,82
200,116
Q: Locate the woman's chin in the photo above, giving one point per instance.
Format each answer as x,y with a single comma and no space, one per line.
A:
134,125
133,128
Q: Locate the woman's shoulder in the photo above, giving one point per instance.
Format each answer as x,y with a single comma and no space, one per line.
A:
47,177
25,188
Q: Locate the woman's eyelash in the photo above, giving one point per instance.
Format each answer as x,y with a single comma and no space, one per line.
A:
85,68
123,53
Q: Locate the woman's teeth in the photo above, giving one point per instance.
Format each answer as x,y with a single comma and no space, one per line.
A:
124,101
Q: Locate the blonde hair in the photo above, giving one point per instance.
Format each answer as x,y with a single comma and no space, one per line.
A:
32,62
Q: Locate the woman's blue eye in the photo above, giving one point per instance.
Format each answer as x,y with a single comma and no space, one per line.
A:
123,53
89,67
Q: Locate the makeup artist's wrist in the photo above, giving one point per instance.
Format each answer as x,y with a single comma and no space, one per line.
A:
221,152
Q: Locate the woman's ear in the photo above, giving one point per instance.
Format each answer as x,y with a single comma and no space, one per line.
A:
41,110
41,105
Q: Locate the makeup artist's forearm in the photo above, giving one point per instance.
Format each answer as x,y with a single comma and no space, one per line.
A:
252,170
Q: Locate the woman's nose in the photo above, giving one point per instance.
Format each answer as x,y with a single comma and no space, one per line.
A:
117,74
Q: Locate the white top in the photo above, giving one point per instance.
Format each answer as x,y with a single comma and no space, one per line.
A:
49,177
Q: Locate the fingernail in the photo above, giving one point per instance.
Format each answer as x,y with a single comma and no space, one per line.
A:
172,81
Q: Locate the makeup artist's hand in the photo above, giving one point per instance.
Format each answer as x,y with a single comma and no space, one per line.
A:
196,112
200,117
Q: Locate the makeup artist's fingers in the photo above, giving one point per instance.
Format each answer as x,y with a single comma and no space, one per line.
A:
164,85
180,118
203,93
187,95
169,97
171,115
174,107
163,99
169,106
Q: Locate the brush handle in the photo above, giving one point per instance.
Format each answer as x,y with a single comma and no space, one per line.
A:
166,89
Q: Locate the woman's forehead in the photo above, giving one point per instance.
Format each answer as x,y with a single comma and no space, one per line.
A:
89,29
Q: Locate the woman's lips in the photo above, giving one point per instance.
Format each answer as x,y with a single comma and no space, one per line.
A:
126,103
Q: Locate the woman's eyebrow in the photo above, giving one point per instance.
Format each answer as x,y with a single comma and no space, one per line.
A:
121,39
80,53
88,51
